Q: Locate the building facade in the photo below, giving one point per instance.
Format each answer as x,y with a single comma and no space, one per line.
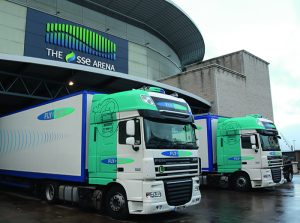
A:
236,84
149,55
118,45
110,46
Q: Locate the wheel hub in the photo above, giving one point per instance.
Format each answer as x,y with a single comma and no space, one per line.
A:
241,182
117,202
50,192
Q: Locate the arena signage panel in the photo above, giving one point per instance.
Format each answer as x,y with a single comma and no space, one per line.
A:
53,38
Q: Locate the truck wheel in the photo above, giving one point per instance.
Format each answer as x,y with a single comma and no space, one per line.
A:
290,176
242,182
51,193
116,203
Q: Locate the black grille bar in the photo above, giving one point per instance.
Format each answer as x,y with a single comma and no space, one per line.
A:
169,168
276,174
171,161
178,192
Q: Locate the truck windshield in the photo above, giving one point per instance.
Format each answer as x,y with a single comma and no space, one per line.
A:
269,143
159,135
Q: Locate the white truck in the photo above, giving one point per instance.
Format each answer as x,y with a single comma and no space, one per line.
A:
129,152
242,152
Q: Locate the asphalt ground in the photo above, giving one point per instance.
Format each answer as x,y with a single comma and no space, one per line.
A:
280,204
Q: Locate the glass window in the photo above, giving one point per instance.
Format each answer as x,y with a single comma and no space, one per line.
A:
123,135
246,142
159,135
269,143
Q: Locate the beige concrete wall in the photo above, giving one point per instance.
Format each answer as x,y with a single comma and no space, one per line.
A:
200,81
236,84
232,61
258,86
230,93
12,28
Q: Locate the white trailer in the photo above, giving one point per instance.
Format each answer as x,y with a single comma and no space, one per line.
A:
48,141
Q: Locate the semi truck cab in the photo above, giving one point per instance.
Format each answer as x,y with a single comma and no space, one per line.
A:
155,163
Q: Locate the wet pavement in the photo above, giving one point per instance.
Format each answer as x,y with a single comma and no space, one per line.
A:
281,204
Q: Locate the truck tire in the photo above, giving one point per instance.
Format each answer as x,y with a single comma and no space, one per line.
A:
51,193
290,176
241,182
116,203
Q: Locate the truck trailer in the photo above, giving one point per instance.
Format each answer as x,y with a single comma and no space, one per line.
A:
130,152
240,152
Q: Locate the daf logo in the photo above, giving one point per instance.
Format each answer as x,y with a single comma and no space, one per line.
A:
161,169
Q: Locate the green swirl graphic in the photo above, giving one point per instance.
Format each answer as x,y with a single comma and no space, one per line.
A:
70,57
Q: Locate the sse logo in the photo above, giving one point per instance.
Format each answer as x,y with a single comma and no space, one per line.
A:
70,57
55,114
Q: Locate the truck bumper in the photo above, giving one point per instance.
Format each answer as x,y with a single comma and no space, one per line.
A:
266,180
159,204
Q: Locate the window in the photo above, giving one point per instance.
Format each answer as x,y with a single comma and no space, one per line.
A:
122,132
269,143
246,142
161,135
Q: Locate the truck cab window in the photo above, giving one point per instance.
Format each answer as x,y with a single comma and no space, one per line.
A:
246,142
123,135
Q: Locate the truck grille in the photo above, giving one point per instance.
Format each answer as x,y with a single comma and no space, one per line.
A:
176,167
276,174
178,192
275,161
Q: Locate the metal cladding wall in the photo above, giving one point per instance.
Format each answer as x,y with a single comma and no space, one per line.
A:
147,55
54,38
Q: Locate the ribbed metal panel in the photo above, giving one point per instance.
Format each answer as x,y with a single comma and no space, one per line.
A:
276,174
178,192
166,168
275,161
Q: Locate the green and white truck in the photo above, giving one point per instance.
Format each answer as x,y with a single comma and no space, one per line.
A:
131,152
242,152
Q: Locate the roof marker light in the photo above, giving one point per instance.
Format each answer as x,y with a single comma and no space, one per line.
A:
147,99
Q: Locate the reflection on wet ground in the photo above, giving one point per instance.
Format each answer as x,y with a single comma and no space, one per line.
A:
281,204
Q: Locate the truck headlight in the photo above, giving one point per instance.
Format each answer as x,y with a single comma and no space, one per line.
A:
267,176
153,194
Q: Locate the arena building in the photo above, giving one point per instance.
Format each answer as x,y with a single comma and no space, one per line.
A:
52,48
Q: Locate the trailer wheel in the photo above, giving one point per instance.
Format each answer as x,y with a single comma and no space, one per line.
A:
116,203
241,182
51,193
290,176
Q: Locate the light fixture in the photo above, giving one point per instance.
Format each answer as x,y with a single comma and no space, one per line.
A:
71,83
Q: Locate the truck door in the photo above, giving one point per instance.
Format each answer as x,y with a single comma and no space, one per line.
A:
250,152
130,150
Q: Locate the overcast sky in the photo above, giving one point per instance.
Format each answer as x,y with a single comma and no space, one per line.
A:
269,29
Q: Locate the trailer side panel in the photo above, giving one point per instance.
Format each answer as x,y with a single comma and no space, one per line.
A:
47,141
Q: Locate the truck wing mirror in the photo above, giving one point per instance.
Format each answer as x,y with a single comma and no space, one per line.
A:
253,140
255,148
130,128
130,141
